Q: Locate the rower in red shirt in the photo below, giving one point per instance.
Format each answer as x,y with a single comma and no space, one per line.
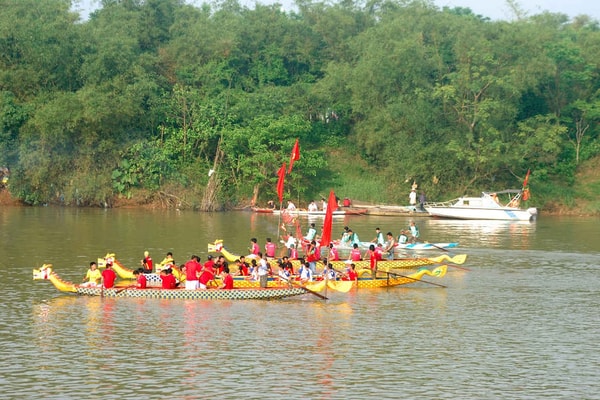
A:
142,282
108,277
147,263
167,278
205,276
227,278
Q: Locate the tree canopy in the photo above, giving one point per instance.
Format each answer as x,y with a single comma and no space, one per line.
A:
203,104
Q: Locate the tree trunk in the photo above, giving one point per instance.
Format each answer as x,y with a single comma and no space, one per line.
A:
209,200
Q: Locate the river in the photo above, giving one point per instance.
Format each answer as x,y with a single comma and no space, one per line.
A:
521,323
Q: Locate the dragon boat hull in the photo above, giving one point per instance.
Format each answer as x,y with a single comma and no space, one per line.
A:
255,293
250,293
363,282
410,262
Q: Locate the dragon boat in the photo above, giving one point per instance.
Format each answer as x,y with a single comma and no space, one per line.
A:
250,293
388,265
388,275
365,281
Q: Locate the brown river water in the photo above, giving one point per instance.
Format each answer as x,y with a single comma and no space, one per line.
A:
521,323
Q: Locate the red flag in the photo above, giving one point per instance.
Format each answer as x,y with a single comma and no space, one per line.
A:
526,178
295,155
281,174
331,207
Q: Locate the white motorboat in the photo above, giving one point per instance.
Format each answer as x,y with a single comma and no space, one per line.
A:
489,206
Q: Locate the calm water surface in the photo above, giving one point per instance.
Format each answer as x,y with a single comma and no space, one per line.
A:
522,323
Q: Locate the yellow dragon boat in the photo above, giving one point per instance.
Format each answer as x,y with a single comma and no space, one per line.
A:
387,277
250,293
382,265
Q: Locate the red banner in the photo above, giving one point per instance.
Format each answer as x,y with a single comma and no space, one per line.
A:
327,224
295,155
281,174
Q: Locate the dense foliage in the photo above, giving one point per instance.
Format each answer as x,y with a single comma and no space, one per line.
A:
152,96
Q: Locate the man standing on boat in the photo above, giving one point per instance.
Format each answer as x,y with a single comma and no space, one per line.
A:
108,277
312,206
263,271
192,273
390,245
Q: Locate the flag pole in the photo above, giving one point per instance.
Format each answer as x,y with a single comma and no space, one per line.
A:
279,223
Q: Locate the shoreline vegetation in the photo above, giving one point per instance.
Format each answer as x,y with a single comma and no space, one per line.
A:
580,200
165,105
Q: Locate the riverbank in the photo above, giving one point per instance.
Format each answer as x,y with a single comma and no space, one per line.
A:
581,210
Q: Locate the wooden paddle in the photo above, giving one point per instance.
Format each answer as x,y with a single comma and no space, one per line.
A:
414,279
438,247
456,266
307,289
123,289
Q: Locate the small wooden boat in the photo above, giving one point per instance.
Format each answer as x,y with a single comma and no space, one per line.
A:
249,293
306,213
411,262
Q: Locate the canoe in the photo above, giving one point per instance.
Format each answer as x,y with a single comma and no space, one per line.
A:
402,246
306,213
250,293
425,246
410,262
